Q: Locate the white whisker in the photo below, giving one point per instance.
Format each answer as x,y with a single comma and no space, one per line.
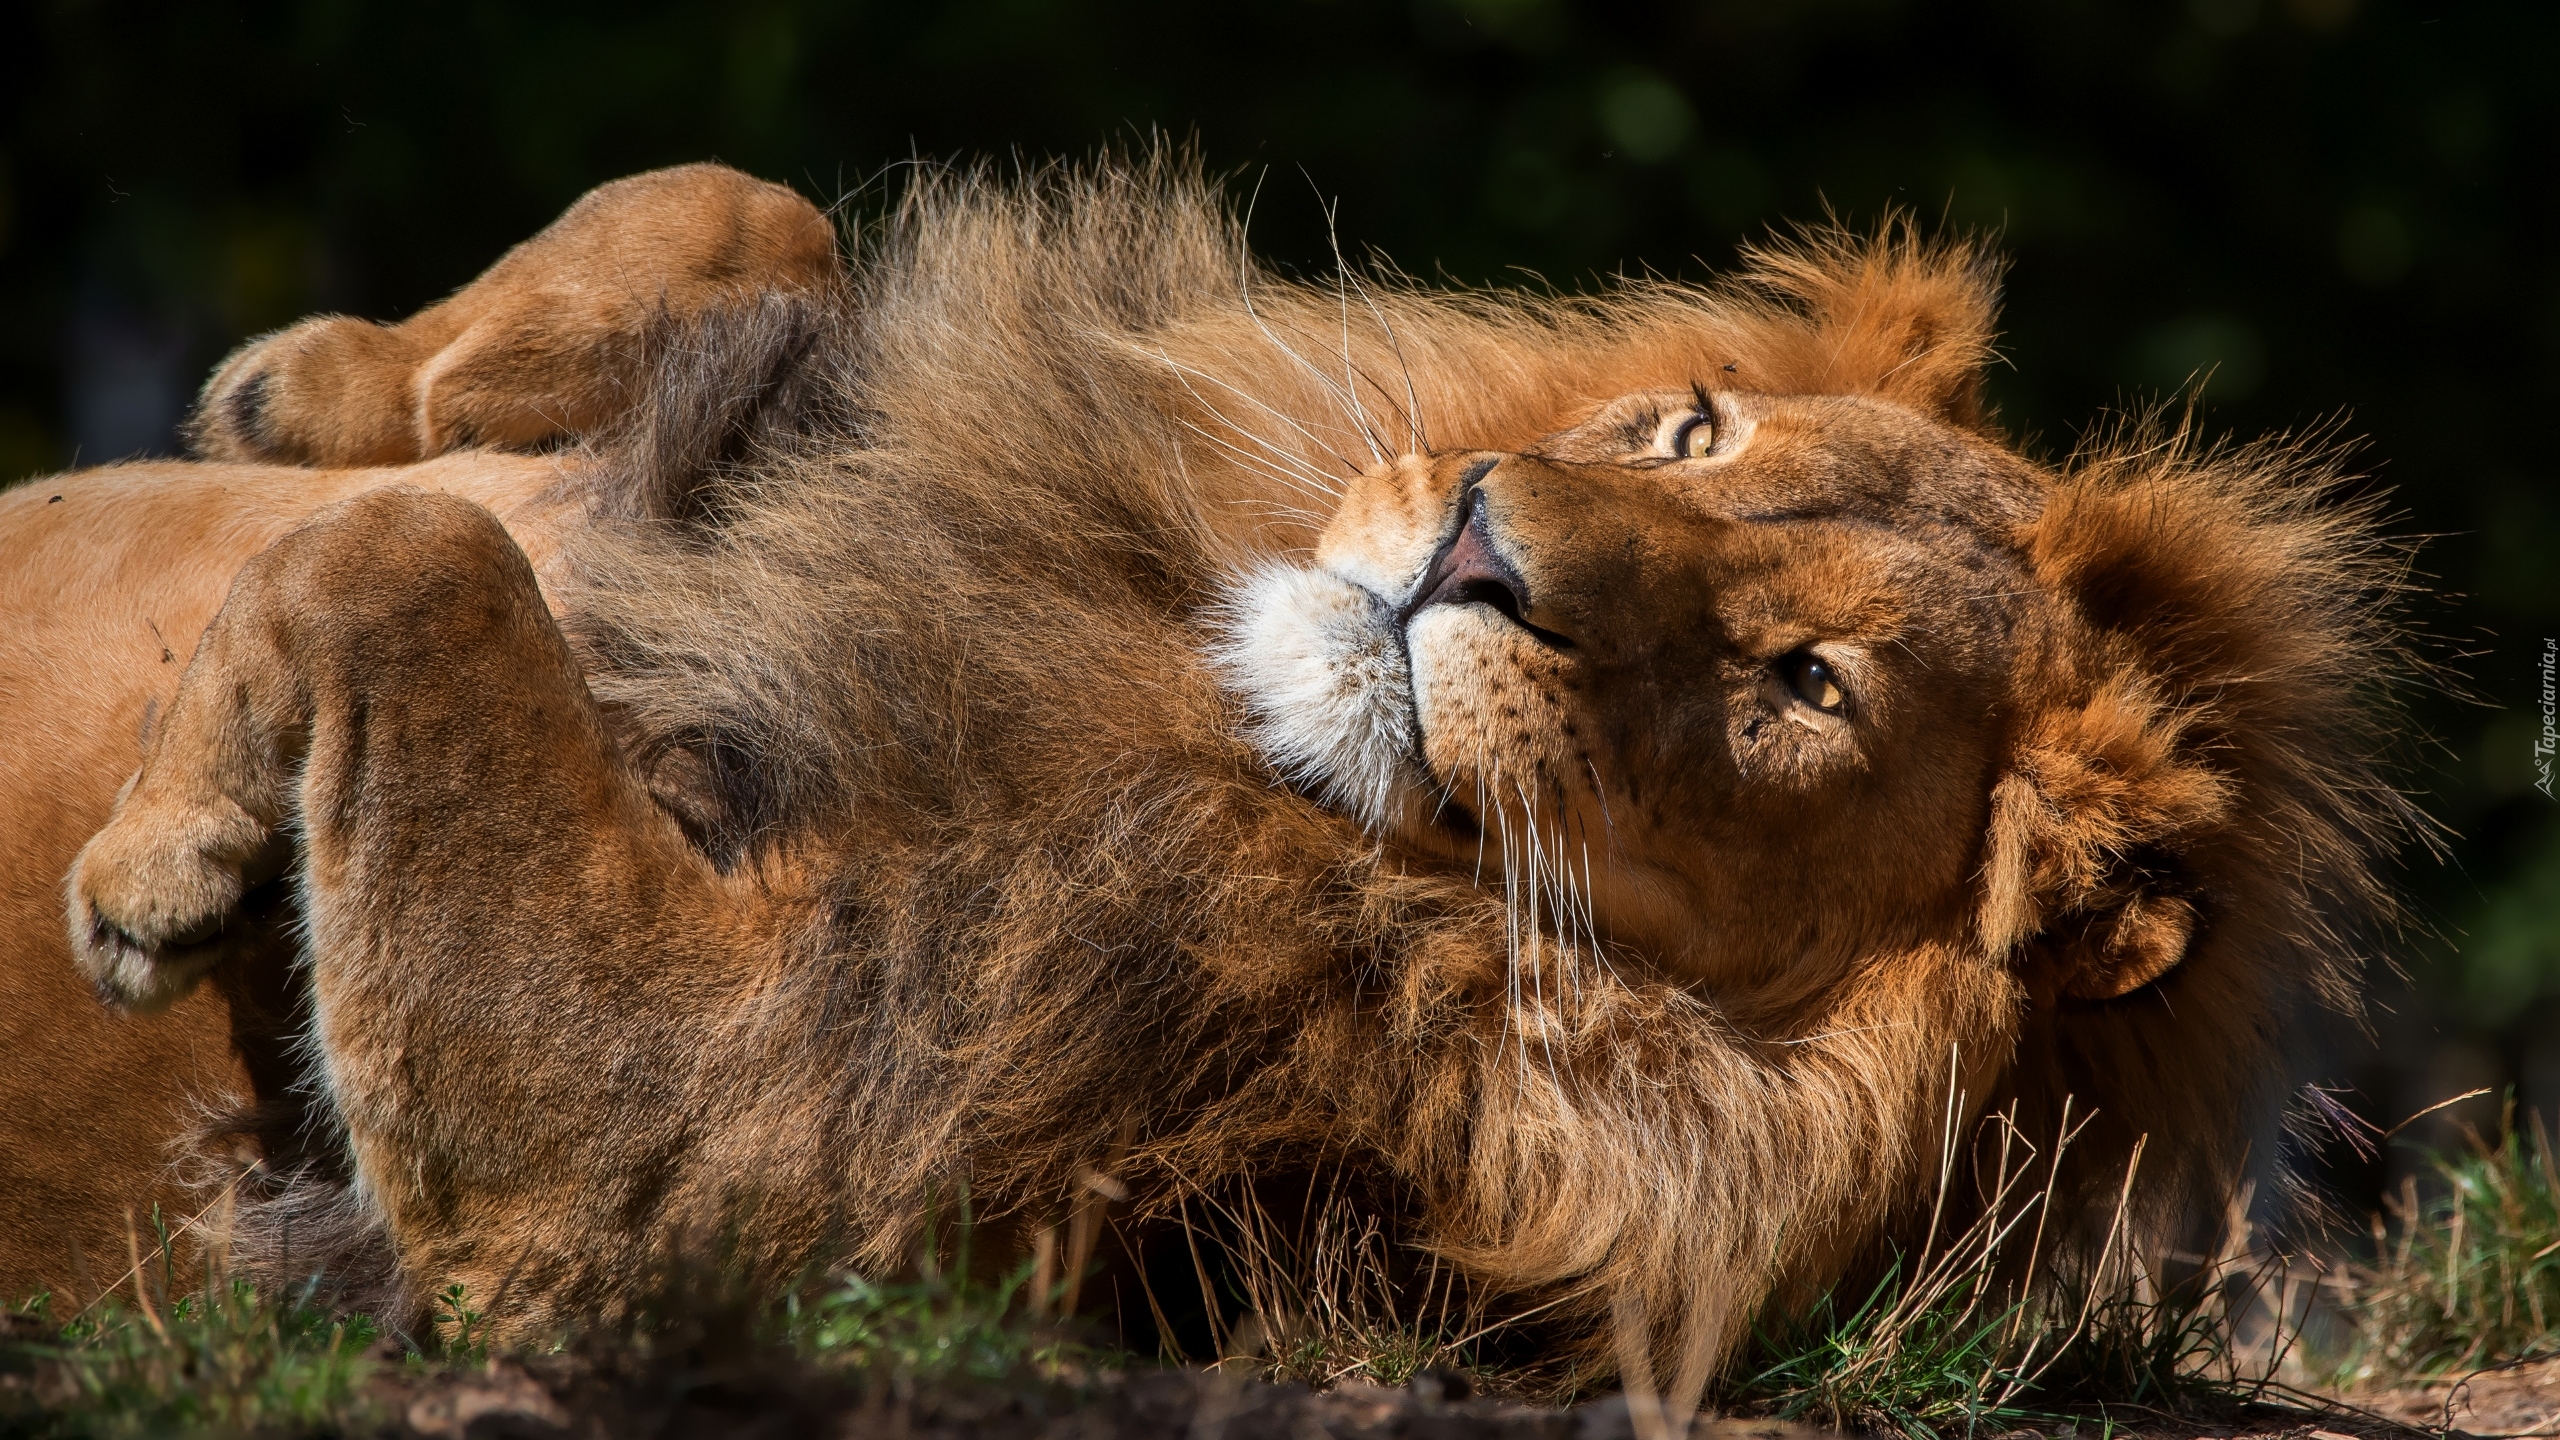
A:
1417,435
1244,292
1350,377
1184,373
1295,480
1537,881
1511,940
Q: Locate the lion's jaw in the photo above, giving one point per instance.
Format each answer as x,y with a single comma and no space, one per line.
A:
1576,671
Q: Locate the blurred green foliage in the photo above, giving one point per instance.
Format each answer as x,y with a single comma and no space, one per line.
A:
2334,208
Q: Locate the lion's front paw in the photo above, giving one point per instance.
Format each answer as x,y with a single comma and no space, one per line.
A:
154,896
330,391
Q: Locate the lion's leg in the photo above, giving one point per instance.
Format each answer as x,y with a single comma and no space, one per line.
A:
546,343
514,951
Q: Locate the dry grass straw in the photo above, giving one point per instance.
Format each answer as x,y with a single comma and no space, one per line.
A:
1319,1298
2466,1263
1979,1327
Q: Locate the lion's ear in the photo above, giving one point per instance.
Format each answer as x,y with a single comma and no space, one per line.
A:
2202,728
2089,880
1888,314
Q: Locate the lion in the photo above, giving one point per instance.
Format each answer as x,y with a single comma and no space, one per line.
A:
1627,775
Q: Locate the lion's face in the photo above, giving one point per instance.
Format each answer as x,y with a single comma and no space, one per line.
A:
1718,675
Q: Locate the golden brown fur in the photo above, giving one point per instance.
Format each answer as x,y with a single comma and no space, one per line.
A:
919,798
108,576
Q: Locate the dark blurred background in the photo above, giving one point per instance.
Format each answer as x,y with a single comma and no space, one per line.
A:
2336,208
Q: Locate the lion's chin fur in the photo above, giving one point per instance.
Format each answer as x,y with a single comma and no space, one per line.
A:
990,655
1323,675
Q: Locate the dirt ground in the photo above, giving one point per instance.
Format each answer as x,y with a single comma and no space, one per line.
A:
2511,1400
512,1399
547,1401
744,1394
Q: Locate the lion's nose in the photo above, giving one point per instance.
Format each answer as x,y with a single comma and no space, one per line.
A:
1469,571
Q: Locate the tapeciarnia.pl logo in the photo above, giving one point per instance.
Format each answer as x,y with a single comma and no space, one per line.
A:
2549,739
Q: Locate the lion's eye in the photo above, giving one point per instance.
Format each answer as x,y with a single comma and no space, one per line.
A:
1814,682
1695,437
